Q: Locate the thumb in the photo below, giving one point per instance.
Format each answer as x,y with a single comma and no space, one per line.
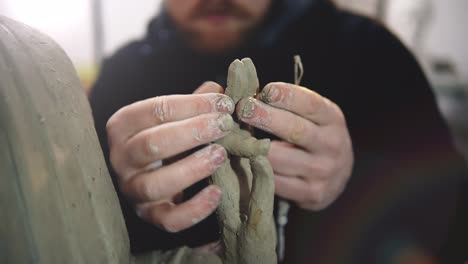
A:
209,87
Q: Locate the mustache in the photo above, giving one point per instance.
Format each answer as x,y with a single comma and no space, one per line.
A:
224,7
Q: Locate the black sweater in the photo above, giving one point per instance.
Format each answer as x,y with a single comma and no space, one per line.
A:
405,182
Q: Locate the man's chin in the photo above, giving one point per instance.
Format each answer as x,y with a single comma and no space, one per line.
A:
218,43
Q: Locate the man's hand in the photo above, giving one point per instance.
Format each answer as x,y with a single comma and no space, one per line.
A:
144,134
313,163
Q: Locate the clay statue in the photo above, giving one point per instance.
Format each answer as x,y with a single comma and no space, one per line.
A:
246,211
57,201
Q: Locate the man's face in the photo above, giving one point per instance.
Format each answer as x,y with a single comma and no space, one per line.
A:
216,25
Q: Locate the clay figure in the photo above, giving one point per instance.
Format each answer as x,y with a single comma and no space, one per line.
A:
246,178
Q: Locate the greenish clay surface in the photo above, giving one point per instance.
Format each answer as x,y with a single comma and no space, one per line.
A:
246,178
57,201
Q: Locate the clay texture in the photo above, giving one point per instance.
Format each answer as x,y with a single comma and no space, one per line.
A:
57,201
246,178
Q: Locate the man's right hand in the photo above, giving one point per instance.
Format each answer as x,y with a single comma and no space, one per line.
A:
142,135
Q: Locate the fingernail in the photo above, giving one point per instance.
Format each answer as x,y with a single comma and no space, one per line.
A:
248,109
225,104
218,155
213,195
271,94
224,122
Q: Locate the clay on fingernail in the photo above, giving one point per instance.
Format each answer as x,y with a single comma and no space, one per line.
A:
224,123
248,109
218,156
225,104
271,95
212,196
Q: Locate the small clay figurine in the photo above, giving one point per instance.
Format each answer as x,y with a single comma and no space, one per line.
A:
246,211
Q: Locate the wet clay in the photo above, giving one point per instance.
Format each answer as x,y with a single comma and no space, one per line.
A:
246,179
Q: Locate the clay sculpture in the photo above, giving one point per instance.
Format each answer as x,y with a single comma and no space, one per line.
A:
57,201
246,178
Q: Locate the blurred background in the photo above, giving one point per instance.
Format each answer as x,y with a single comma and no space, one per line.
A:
90,30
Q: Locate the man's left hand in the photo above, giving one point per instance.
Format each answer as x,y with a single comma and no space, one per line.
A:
314,161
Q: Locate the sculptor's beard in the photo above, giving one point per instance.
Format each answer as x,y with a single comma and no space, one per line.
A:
218,27
217,41
224,7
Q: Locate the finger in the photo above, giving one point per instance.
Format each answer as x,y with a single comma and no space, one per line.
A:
164,141
291,188
209,87
284,124
288,160
301,101
307,195
163,109
175,218
174,178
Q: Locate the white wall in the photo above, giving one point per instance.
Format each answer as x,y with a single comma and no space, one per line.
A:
125,20
448,36
69,22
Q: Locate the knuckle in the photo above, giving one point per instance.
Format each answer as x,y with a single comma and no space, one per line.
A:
297,131
115,159
190,172
162,109
213,86
311,168
113,123
315,103
317,198
139,189
340,117
115,118
336,143
149,147
333,145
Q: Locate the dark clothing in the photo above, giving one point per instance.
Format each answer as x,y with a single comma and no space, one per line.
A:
405,182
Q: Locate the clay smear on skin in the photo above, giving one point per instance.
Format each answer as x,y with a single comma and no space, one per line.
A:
220,102
262,118
210,154
217,127
154,148
154,165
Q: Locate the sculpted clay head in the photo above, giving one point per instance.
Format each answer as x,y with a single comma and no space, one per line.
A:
214,26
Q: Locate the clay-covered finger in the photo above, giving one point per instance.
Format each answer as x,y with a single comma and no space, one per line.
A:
280,122
172,179
175,218
301,101
167,140
141,115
